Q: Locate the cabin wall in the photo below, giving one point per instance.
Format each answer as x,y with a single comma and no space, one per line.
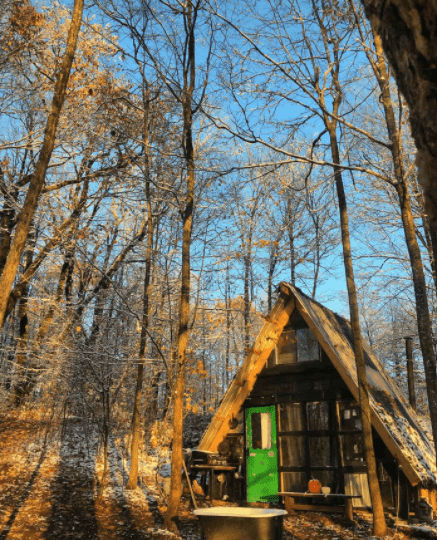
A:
319,429
318,426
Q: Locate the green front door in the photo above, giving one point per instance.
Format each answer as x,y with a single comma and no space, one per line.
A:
262,454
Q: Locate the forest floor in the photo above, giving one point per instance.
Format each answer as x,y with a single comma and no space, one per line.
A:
49,490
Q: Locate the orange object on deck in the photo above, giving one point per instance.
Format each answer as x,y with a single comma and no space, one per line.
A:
314,486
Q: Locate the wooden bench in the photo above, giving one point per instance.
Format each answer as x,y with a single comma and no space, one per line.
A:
291,506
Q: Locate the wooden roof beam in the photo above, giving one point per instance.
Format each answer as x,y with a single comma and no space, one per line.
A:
244,382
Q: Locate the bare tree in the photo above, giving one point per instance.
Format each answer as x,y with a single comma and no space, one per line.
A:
37,178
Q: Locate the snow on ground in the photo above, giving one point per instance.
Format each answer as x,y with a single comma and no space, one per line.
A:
49,492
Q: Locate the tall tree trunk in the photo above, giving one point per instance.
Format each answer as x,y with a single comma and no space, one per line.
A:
379,525
23,329
184,314
228,325
428,240
273,260
136,417
160,374
169,382
246,308
151,411
106,432
317,256
291,243
38,177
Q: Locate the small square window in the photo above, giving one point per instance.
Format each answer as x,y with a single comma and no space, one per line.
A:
286,348
350,417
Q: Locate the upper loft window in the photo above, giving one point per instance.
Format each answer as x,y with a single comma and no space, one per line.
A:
286,350
308,349
295,346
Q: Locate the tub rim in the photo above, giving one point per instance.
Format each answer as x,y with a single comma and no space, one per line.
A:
238,512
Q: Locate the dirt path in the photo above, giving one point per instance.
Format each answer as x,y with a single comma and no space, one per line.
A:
73,514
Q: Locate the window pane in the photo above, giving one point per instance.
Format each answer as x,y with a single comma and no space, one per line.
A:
261,431
322,452
286,348
292,451
318,415
353,449
350,417
294,481
291,417
357,484
307,346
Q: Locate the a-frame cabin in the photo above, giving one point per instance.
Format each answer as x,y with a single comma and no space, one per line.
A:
291,414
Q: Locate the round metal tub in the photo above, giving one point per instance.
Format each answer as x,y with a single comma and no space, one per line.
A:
235,523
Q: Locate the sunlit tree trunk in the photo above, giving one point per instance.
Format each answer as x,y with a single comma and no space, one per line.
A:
38,177
379,525
228,304
290,229
247,302
178,390
136,417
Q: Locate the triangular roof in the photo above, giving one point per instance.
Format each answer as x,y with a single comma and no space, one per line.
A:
393,418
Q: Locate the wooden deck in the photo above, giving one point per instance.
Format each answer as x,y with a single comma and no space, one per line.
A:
291,506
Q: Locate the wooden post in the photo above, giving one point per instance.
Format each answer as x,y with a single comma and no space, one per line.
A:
289,504
348,509
410,371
